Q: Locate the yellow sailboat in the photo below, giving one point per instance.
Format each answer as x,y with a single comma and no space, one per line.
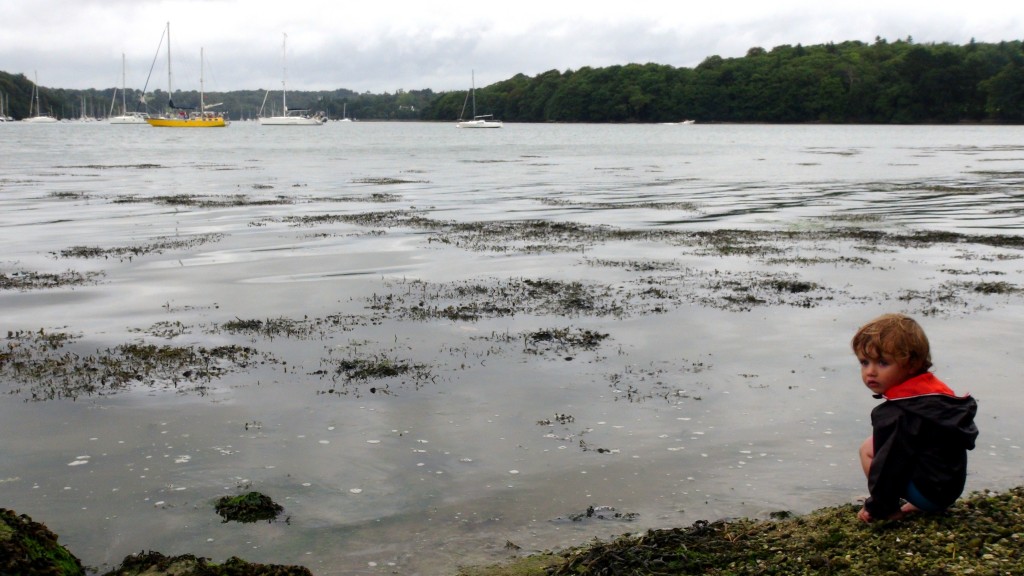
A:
187,117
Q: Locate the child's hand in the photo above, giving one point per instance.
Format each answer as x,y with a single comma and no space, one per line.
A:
864,515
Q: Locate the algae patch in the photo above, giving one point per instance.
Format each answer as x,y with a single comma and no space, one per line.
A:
28,548
250,507
48,367
980,534
157,564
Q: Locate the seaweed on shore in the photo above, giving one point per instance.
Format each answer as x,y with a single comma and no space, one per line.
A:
980,534
156,564
28,548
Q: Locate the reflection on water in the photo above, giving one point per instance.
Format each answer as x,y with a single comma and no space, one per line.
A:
722,385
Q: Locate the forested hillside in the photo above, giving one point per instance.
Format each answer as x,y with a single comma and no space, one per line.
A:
852,82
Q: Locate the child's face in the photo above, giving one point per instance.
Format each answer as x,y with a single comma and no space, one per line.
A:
881,374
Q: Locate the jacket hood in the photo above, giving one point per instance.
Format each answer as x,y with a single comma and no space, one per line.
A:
936,402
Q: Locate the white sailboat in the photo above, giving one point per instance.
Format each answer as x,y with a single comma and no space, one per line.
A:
39,118
5,101
83,115
126,117
481,121
289,117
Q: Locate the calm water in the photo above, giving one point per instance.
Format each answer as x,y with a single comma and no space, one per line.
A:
690,409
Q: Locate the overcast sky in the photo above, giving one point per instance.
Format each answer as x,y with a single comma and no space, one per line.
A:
376,46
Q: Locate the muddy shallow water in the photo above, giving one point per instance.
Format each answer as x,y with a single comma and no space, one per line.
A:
435,346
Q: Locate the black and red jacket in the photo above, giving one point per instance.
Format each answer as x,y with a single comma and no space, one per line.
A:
922,433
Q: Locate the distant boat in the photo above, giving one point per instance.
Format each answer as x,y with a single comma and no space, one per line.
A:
482,121
344,113
83,116
187,117
126,117
290,117
3,108
39,118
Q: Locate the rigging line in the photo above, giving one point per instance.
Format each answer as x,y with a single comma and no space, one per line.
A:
151,66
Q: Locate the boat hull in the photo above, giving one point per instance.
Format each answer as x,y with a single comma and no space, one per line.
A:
215,122
40,120
129,119
479,124
290,121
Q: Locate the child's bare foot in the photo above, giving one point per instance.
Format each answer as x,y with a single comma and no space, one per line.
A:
909,508
898,515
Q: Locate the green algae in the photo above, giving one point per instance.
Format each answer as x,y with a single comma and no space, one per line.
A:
249,507
28,548
157,564
981,534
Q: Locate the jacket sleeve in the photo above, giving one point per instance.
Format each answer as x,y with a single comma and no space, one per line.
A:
892,465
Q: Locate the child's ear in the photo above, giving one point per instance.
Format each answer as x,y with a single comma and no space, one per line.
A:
915,365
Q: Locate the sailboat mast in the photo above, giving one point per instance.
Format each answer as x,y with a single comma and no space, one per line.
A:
39,111
124,101
472,77
284,73
202,68
170,93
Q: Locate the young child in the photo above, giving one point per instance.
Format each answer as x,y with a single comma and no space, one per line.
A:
920,434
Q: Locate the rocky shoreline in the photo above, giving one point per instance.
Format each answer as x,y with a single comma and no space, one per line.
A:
982,534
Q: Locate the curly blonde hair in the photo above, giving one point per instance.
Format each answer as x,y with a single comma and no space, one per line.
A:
898,339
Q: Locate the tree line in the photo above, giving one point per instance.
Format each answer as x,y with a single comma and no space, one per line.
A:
853,82
898,82
16,90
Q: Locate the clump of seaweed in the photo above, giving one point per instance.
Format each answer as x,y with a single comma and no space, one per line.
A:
192,200
381,181
602,513
28,548
156,564
559,418
378,366
68,195
357,368
50,369
158,246
994,288
249,507
40,280
269,328
681,206
562,340
472,301
167,329
305,328
935,301
139,166
744,291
